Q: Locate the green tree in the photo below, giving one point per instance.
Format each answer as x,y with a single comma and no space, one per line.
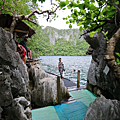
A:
23,10
92,15
98,15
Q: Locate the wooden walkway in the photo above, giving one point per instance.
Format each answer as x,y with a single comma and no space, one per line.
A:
74,108
67,82
70,111
71,86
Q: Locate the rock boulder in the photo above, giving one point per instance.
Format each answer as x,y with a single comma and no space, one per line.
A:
44,87
103,109
100,78
14,80
18,110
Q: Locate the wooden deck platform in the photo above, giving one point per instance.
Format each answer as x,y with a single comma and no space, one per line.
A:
74,108
71,86
68,111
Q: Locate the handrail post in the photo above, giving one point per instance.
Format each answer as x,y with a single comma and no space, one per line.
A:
58,90
78,79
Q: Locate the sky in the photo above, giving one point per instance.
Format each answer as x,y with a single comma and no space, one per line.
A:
59,23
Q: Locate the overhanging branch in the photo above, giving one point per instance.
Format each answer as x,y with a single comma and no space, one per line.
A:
26,17
110,58
88,31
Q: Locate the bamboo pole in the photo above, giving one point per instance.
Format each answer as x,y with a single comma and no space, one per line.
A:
78,79
58,90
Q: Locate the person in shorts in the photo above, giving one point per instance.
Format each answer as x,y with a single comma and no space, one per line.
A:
29,52
22,51
60,67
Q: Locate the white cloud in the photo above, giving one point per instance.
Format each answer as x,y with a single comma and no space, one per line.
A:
59,23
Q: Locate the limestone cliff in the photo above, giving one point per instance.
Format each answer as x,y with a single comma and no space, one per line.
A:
14,93
102,82
100,79
103,109
44,87
66,34
18,89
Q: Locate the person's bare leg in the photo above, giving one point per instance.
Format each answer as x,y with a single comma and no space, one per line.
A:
24,59
61,76
28,54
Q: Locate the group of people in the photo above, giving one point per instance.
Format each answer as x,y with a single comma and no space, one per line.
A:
24,50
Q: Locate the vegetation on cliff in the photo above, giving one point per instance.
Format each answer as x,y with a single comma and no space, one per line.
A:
98,15
54,42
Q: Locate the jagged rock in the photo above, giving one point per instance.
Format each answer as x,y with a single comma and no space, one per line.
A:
14,79
103,109
19,110
7,47
44,91
69,35
6,96
99,74
90,50
93,41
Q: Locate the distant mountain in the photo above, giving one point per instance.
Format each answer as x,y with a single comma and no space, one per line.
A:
66,34
51,41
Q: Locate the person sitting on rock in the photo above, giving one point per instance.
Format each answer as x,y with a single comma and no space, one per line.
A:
22,52
29,53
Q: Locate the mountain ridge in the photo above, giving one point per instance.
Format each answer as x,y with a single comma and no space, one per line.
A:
53,41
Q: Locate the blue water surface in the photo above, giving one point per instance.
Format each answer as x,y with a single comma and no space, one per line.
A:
82,63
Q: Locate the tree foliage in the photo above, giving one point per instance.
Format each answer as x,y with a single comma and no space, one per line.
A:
68,48
24,10
92,15
40,43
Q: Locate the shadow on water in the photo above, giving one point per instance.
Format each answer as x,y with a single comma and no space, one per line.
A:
82,63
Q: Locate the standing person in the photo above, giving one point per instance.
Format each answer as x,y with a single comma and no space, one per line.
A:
60,67
29,54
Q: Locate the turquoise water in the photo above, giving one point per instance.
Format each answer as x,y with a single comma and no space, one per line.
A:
82,63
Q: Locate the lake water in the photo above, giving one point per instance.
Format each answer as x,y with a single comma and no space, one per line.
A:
82,63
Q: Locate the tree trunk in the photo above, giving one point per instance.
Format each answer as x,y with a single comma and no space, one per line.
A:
13,24
110,55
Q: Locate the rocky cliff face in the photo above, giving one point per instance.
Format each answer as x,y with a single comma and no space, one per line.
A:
44,87
69,35
18,89
102,82
100,79
14,93
103,109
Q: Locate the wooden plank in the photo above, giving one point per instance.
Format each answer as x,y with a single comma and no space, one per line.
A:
78,79
58,90
17,30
